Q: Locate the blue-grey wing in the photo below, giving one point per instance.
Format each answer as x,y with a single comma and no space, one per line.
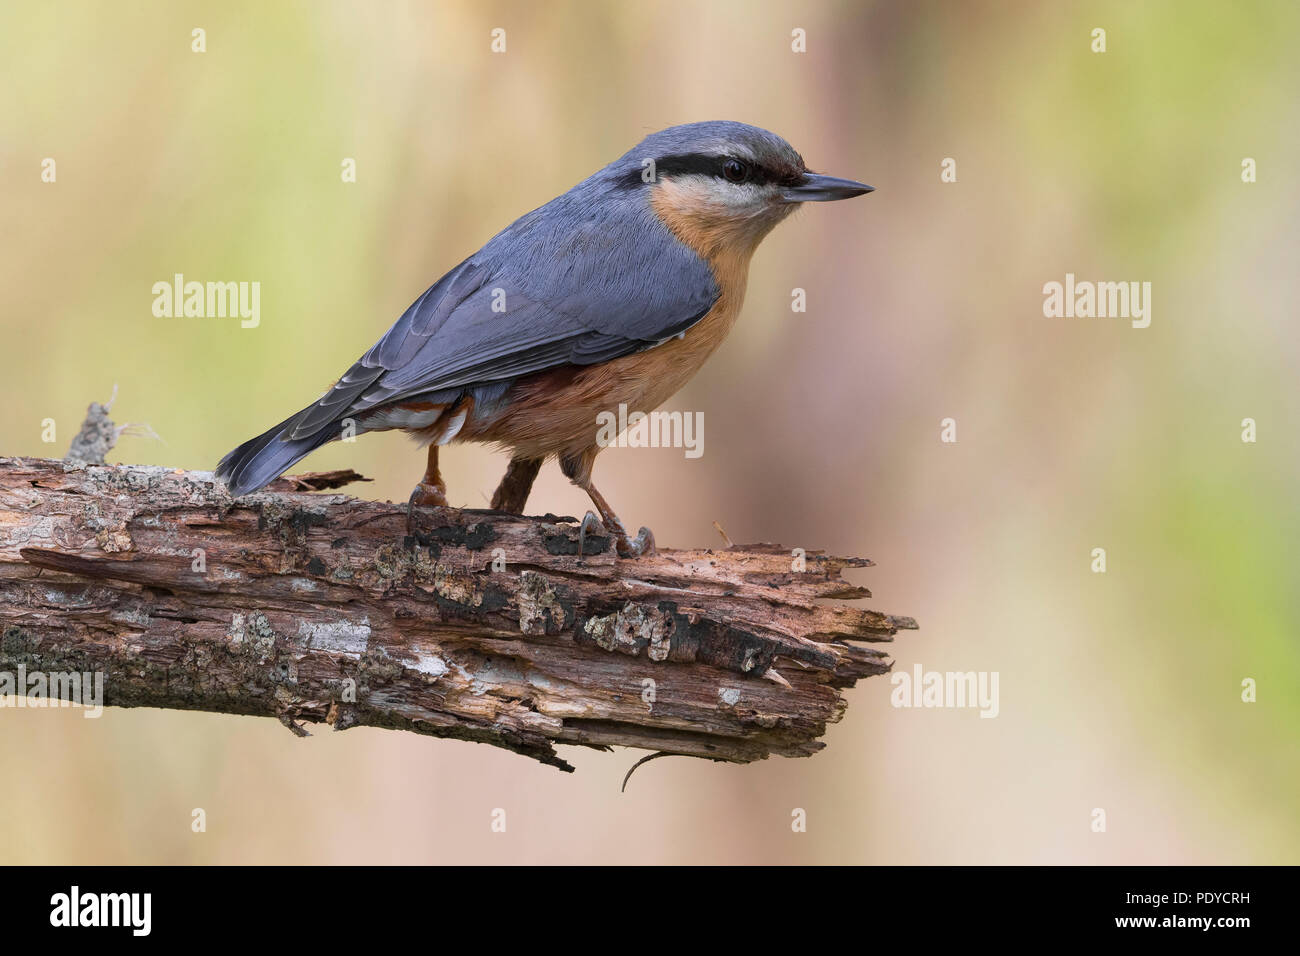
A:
561,286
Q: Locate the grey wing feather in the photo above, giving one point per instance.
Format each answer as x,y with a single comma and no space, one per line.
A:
555,288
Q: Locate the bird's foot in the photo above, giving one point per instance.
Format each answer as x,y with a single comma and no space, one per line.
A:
643,543
424,496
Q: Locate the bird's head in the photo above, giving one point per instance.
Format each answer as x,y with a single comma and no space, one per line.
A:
724,185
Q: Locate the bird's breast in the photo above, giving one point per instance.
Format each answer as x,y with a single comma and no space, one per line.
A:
556,411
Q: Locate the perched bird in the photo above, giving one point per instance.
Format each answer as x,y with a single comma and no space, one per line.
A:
613,293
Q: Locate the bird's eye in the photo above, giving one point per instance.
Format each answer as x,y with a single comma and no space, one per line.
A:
735,171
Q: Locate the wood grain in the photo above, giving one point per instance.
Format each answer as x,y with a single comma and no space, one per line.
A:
481,626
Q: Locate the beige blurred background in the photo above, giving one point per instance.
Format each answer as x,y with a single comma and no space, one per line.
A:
1119,691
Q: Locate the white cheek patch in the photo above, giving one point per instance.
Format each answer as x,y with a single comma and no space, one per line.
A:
713,213
711,190
737,200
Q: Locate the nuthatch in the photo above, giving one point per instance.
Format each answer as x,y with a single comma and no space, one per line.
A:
612,294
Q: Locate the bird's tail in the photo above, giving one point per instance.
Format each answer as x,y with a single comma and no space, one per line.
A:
263,459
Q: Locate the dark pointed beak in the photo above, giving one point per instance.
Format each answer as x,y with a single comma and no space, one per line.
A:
814,187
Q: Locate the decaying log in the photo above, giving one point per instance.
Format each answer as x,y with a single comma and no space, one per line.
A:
481,625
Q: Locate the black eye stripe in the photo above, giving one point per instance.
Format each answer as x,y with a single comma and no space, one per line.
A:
704,164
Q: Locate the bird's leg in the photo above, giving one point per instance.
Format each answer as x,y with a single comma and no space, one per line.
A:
512,494
577,468
429,493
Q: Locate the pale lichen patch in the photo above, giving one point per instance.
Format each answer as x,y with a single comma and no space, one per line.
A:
348,637
253,635
114,540
431,665
537,599
634,627
456,587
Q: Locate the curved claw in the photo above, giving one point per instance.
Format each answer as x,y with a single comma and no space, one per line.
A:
424,496
410,512
590,522
643,544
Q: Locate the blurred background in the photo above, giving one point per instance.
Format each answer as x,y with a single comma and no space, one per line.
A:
1119,691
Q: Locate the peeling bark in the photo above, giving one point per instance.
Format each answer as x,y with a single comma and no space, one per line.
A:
480,626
